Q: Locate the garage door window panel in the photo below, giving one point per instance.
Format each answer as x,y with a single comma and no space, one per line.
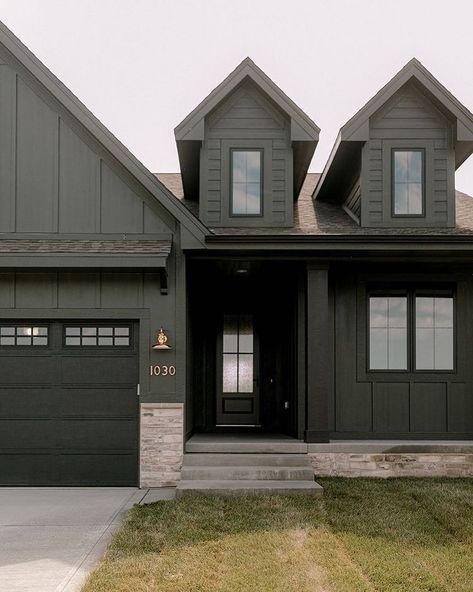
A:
23,336
97,336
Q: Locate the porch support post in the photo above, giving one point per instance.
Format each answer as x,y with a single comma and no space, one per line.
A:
318,358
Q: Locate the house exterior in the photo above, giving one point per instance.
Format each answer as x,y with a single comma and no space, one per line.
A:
243,295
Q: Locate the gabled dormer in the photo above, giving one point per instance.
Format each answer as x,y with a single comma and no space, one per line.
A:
393,164
244,152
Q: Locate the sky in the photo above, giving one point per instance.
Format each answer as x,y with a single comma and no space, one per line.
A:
142,65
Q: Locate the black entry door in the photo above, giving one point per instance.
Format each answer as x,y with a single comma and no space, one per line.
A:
68,403
238,372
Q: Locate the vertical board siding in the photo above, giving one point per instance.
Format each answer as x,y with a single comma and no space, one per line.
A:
409,119
79,183
352,399
246,114
370,404
80,290
120,210
37,163
7,148
56,178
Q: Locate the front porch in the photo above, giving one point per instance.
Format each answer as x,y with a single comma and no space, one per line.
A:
259,348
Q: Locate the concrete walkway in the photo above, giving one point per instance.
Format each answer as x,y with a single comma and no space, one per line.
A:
51,538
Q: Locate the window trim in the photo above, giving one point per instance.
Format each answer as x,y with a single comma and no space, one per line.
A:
422,293
393,195
386,294
231,214
223,186
411,293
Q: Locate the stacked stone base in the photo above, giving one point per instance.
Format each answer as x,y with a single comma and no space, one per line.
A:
161,444
344,464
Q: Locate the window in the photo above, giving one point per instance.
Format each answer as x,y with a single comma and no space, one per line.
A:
434,333
246,183
97,336
238,353
388,333
24,335
408,182
420,340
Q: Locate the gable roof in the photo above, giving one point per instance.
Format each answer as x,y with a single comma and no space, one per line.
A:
22,56
190,132
347,147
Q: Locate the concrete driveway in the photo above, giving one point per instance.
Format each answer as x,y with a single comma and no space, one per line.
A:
51,538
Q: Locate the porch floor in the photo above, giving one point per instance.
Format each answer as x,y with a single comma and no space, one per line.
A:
283,444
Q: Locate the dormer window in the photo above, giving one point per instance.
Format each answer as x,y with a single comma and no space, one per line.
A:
408,182
246,183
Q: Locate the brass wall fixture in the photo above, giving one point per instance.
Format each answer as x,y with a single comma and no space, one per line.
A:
161,340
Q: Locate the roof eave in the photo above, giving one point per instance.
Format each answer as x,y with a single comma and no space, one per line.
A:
191,127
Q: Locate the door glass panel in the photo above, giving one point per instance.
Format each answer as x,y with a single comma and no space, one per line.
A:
238,354
245,373
245,335
230,334
230,373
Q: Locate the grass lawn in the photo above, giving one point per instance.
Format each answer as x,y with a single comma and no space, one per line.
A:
400,535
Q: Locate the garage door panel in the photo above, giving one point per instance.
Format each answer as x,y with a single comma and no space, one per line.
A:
97,434
69,415
27,370
22,469
23,403
93,402
95,469
98,370
32,434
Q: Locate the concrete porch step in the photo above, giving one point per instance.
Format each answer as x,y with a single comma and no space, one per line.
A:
249,473
246,460
243,445
247,487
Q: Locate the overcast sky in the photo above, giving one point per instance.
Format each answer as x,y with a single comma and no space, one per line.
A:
142,65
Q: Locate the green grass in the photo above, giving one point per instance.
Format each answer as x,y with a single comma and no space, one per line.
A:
399,535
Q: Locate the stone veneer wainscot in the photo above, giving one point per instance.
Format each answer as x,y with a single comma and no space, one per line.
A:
161,444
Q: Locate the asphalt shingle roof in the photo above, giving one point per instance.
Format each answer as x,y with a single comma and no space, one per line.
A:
82,247
327,219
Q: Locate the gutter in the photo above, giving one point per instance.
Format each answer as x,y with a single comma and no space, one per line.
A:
338,239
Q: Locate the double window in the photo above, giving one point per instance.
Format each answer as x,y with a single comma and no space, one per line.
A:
411,331
246,183
408,182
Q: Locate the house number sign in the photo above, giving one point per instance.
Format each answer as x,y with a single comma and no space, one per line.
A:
162,370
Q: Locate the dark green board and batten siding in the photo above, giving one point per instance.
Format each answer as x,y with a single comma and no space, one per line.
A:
58,181
408,120
246,119
101,295
409,405
56,178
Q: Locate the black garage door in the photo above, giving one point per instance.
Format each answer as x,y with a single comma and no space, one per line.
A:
68,403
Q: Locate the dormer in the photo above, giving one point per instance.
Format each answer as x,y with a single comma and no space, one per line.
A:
393,164
244,152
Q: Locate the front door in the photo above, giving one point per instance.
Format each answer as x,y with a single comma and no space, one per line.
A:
237,372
